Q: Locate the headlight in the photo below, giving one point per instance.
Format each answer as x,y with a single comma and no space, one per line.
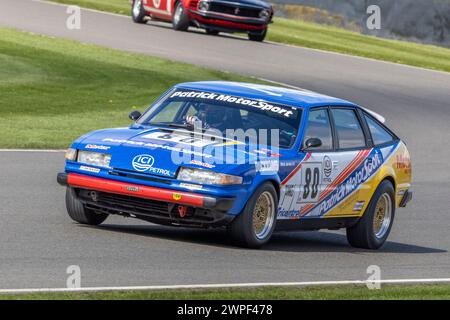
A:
94,158
71,154
203,6
264,14
207,177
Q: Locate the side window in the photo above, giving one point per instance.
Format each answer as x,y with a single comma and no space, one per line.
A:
348,128
319,127
168,113
379,134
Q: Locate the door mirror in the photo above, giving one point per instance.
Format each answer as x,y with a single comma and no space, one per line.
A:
134,115
312,143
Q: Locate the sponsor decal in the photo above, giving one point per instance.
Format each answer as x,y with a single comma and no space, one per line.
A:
229,143
144,163
327,166
195,141
176,196
403,163
358,206
267,166
132,188
202,164
267,152
97,147
283,213
191,186
90,169
259,104
373,162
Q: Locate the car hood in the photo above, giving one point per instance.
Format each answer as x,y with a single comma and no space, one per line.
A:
161,152
253,3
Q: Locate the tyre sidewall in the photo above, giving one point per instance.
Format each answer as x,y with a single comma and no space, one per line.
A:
373,241
139,18
183,22
245,218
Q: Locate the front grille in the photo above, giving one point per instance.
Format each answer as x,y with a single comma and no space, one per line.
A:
242,12
147,209
125,203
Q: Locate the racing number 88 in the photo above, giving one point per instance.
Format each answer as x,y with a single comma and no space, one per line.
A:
311,175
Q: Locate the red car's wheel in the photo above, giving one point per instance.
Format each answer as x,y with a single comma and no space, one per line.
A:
180,19
257,36
138,11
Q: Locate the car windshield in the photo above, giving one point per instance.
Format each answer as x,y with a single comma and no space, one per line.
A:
183,109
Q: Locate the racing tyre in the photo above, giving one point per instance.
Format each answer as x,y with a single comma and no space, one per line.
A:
257,36
254,226
374,227
180,19
78,212
138,11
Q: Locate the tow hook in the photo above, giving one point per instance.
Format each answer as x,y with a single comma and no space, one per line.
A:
182,210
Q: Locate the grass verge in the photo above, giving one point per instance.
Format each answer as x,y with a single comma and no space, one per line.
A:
387,292
316,36
54,90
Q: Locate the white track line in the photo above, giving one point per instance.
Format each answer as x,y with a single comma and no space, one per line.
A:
230,285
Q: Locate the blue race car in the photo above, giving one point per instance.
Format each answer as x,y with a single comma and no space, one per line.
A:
250,157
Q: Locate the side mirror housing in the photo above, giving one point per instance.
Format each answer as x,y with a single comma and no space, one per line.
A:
134,115
312,143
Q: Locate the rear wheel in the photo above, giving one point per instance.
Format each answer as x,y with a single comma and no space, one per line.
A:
78,211
138,12
254,226
180,19
374,227
257,36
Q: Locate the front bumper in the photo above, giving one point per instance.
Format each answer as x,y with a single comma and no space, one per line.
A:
189,199
226,22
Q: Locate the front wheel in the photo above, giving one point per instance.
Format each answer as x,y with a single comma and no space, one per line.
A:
180,19
138,12
374,227
79,213
257,36
254,226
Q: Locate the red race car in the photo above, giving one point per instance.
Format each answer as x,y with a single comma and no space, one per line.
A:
249,16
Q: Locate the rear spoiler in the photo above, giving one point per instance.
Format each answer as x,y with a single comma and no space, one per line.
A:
377,116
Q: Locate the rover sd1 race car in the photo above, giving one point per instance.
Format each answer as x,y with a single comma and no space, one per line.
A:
247,16
250,157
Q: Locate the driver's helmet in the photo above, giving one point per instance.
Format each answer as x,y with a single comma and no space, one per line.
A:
211,116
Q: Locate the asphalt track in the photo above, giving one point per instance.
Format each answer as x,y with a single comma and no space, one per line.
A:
38,241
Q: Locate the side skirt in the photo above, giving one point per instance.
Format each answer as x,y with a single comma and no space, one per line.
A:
309,224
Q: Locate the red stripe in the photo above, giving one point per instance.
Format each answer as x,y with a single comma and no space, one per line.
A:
289,177
134,190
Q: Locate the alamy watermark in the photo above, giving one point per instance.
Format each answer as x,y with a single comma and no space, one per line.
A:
74,279
73,21
373,21
374,279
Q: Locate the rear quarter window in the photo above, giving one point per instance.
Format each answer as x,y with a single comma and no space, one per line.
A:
379,134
